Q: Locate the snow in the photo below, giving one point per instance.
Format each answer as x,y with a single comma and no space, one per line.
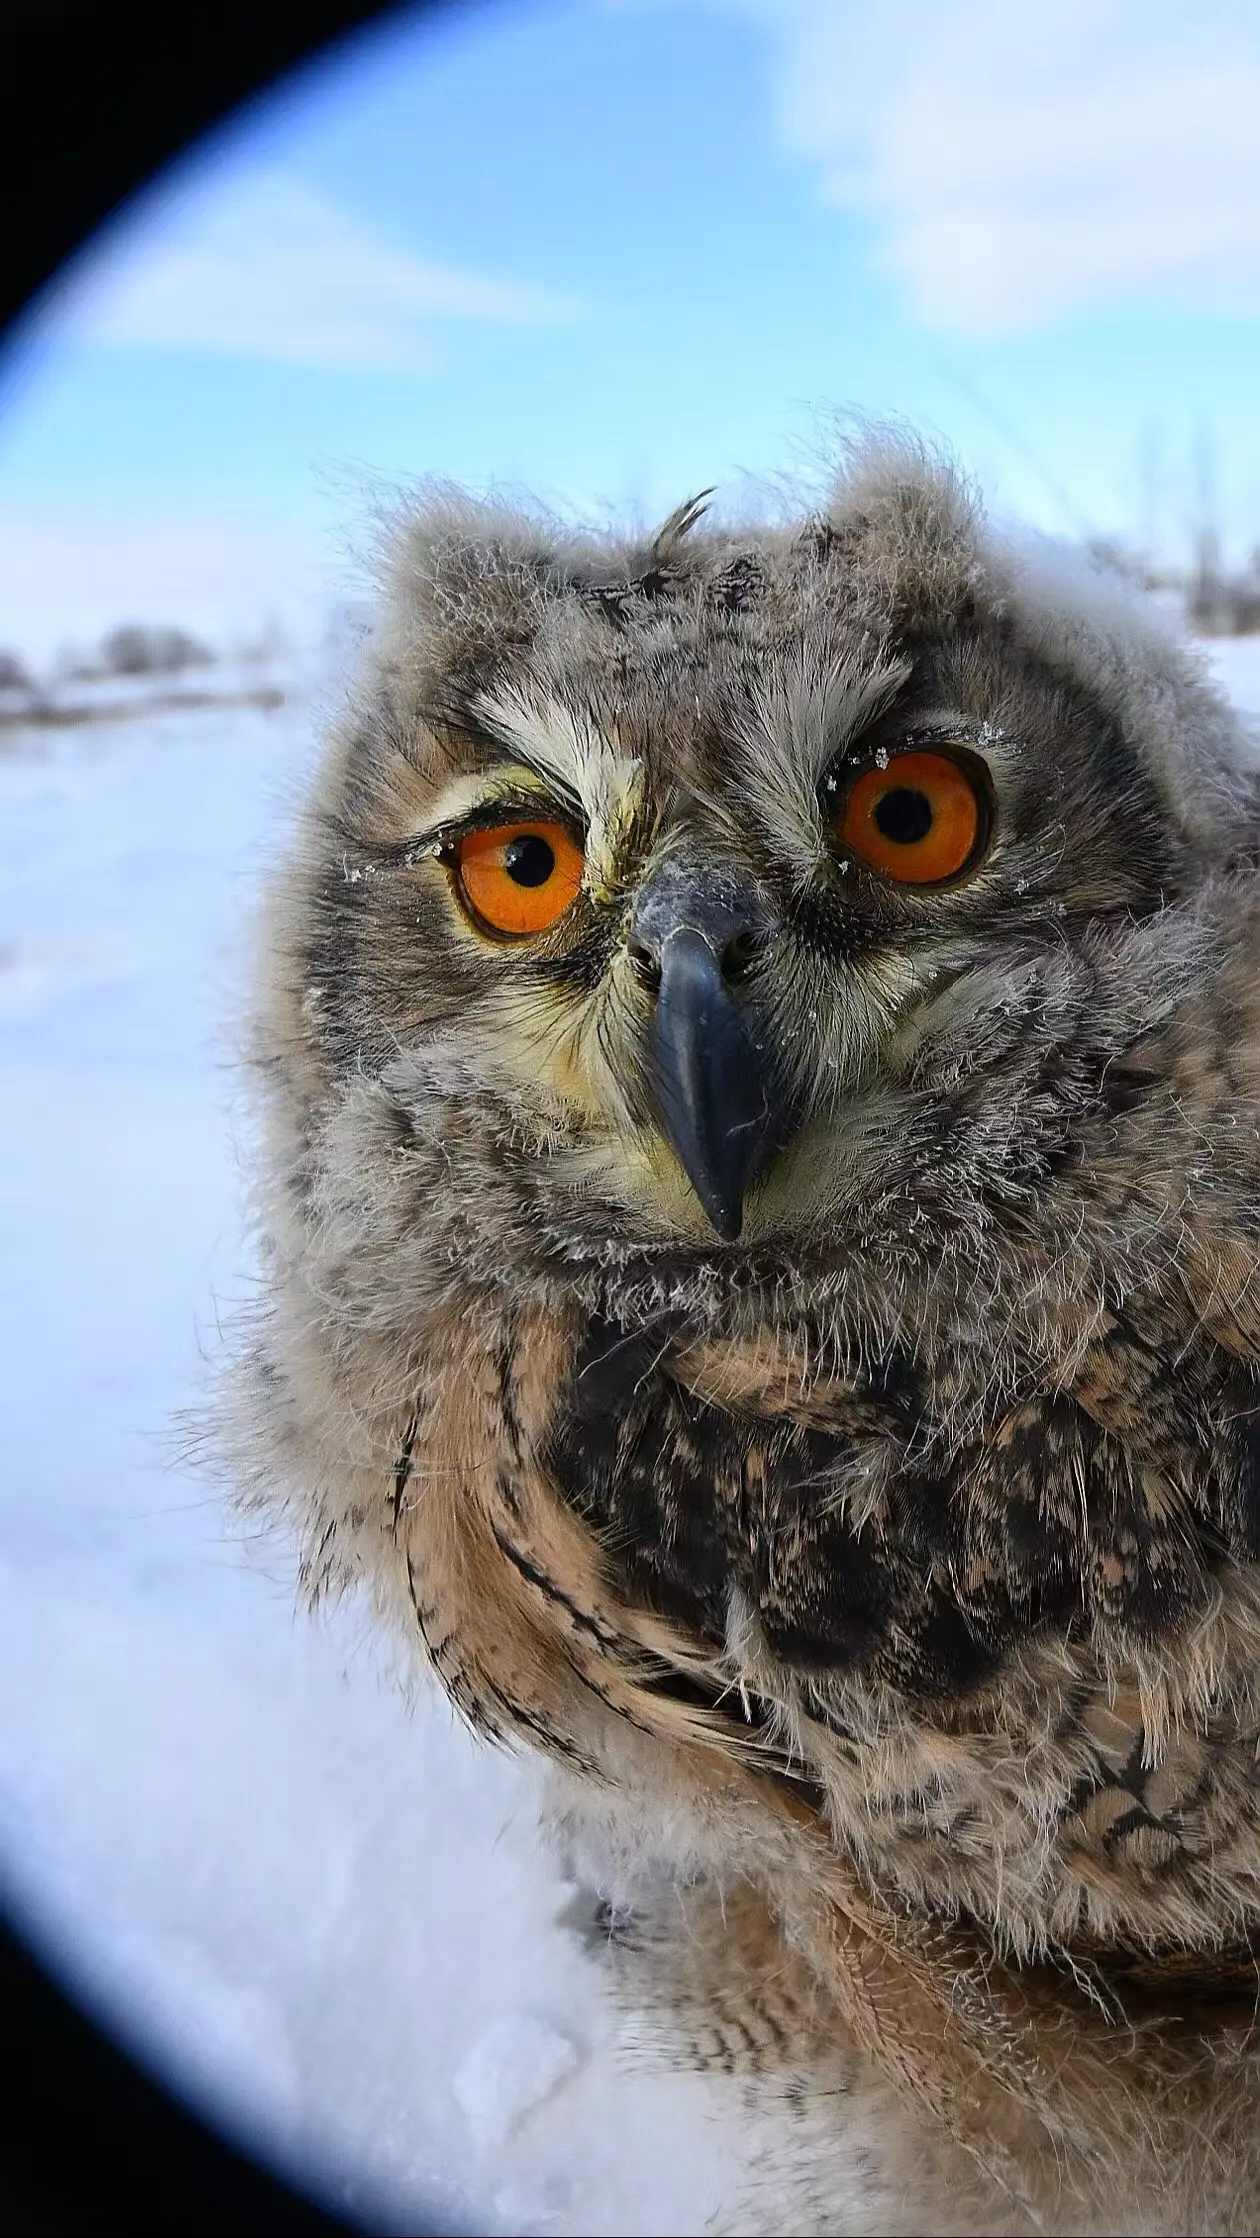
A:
319,1907
314,1902
517,2063
1235,664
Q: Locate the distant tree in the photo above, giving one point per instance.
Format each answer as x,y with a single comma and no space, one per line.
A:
148,649
14,676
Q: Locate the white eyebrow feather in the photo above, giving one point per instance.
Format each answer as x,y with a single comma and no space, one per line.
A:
803,716
567,748
473,790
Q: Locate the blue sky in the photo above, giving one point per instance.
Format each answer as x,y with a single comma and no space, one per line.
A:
613,250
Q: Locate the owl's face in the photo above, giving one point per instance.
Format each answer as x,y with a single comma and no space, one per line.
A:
703,897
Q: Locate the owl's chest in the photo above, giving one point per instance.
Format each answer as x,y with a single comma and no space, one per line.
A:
707,1513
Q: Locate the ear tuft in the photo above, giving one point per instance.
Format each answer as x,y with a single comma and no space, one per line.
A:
679,524
905,514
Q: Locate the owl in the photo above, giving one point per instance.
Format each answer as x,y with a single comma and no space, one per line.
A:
760,1181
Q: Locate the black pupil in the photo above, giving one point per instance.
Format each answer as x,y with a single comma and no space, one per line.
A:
904,815
529,860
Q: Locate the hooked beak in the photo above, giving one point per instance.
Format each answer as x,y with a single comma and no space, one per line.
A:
708,1077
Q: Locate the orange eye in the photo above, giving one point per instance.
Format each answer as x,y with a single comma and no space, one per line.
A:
920,820
518,878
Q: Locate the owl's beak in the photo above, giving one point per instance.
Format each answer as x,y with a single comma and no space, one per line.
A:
707,1077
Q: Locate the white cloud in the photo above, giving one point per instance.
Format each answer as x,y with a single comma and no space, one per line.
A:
1019,164
271,267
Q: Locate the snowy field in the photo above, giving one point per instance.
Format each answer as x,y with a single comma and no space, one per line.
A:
323,1910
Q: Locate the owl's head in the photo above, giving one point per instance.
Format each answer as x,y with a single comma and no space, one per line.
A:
675,902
